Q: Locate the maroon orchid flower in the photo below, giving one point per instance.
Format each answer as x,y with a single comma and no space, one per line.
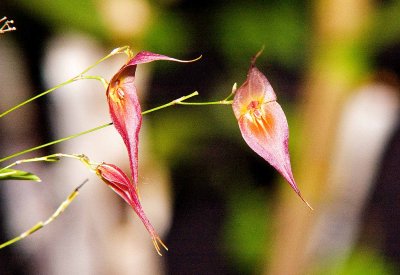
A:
126,116
263,123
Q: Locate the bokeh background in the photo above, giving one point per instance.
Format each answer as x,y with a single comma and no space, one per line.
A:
219,207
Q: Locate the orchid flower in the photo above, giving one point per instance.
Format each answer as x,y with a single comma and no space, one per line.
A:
263,123
126,116
124,105
120,183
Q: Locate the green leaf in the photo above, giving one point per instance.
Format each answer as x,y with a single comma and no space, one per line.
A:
11,174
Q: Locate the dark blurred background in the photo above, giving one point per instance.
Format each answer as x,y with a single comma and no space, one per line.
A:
334,66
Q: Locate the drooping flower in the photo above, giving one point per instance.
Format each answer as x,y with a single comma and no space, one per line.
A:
263,123
120,183
124,105
126,116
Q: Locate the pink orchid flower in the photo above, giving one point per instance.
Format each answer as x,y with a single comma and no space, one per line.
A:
124,105
120,183
263,123
126,116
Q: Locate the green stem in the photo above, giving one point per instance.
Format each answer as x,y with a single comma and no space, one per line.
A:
80,76
179,101
42,224
95,77
55,142
225,101
174,102
124,49
52,158
221,102
37,96
232,94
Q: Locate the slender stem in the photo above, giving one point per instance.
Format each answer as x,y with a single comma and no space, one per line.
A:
53,158
37,96
174,102
225,101
56,141
76,78
42,224
179,101
80,76
221,102
234,88
124,49
95,77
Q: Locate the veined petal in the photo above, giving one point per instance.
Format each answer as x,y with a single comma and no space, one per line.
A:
120,183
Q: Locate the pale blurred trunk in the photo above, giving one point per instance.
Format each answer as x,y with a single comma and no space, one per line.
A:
337,63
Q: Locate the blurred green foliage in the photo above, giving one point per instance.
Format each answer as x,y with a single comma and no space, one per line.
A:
363,261
281,27
65,15
247,230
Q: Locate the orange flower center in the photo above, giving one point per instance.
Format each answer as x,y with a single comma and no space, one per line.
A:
254,109
261,124
117,94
